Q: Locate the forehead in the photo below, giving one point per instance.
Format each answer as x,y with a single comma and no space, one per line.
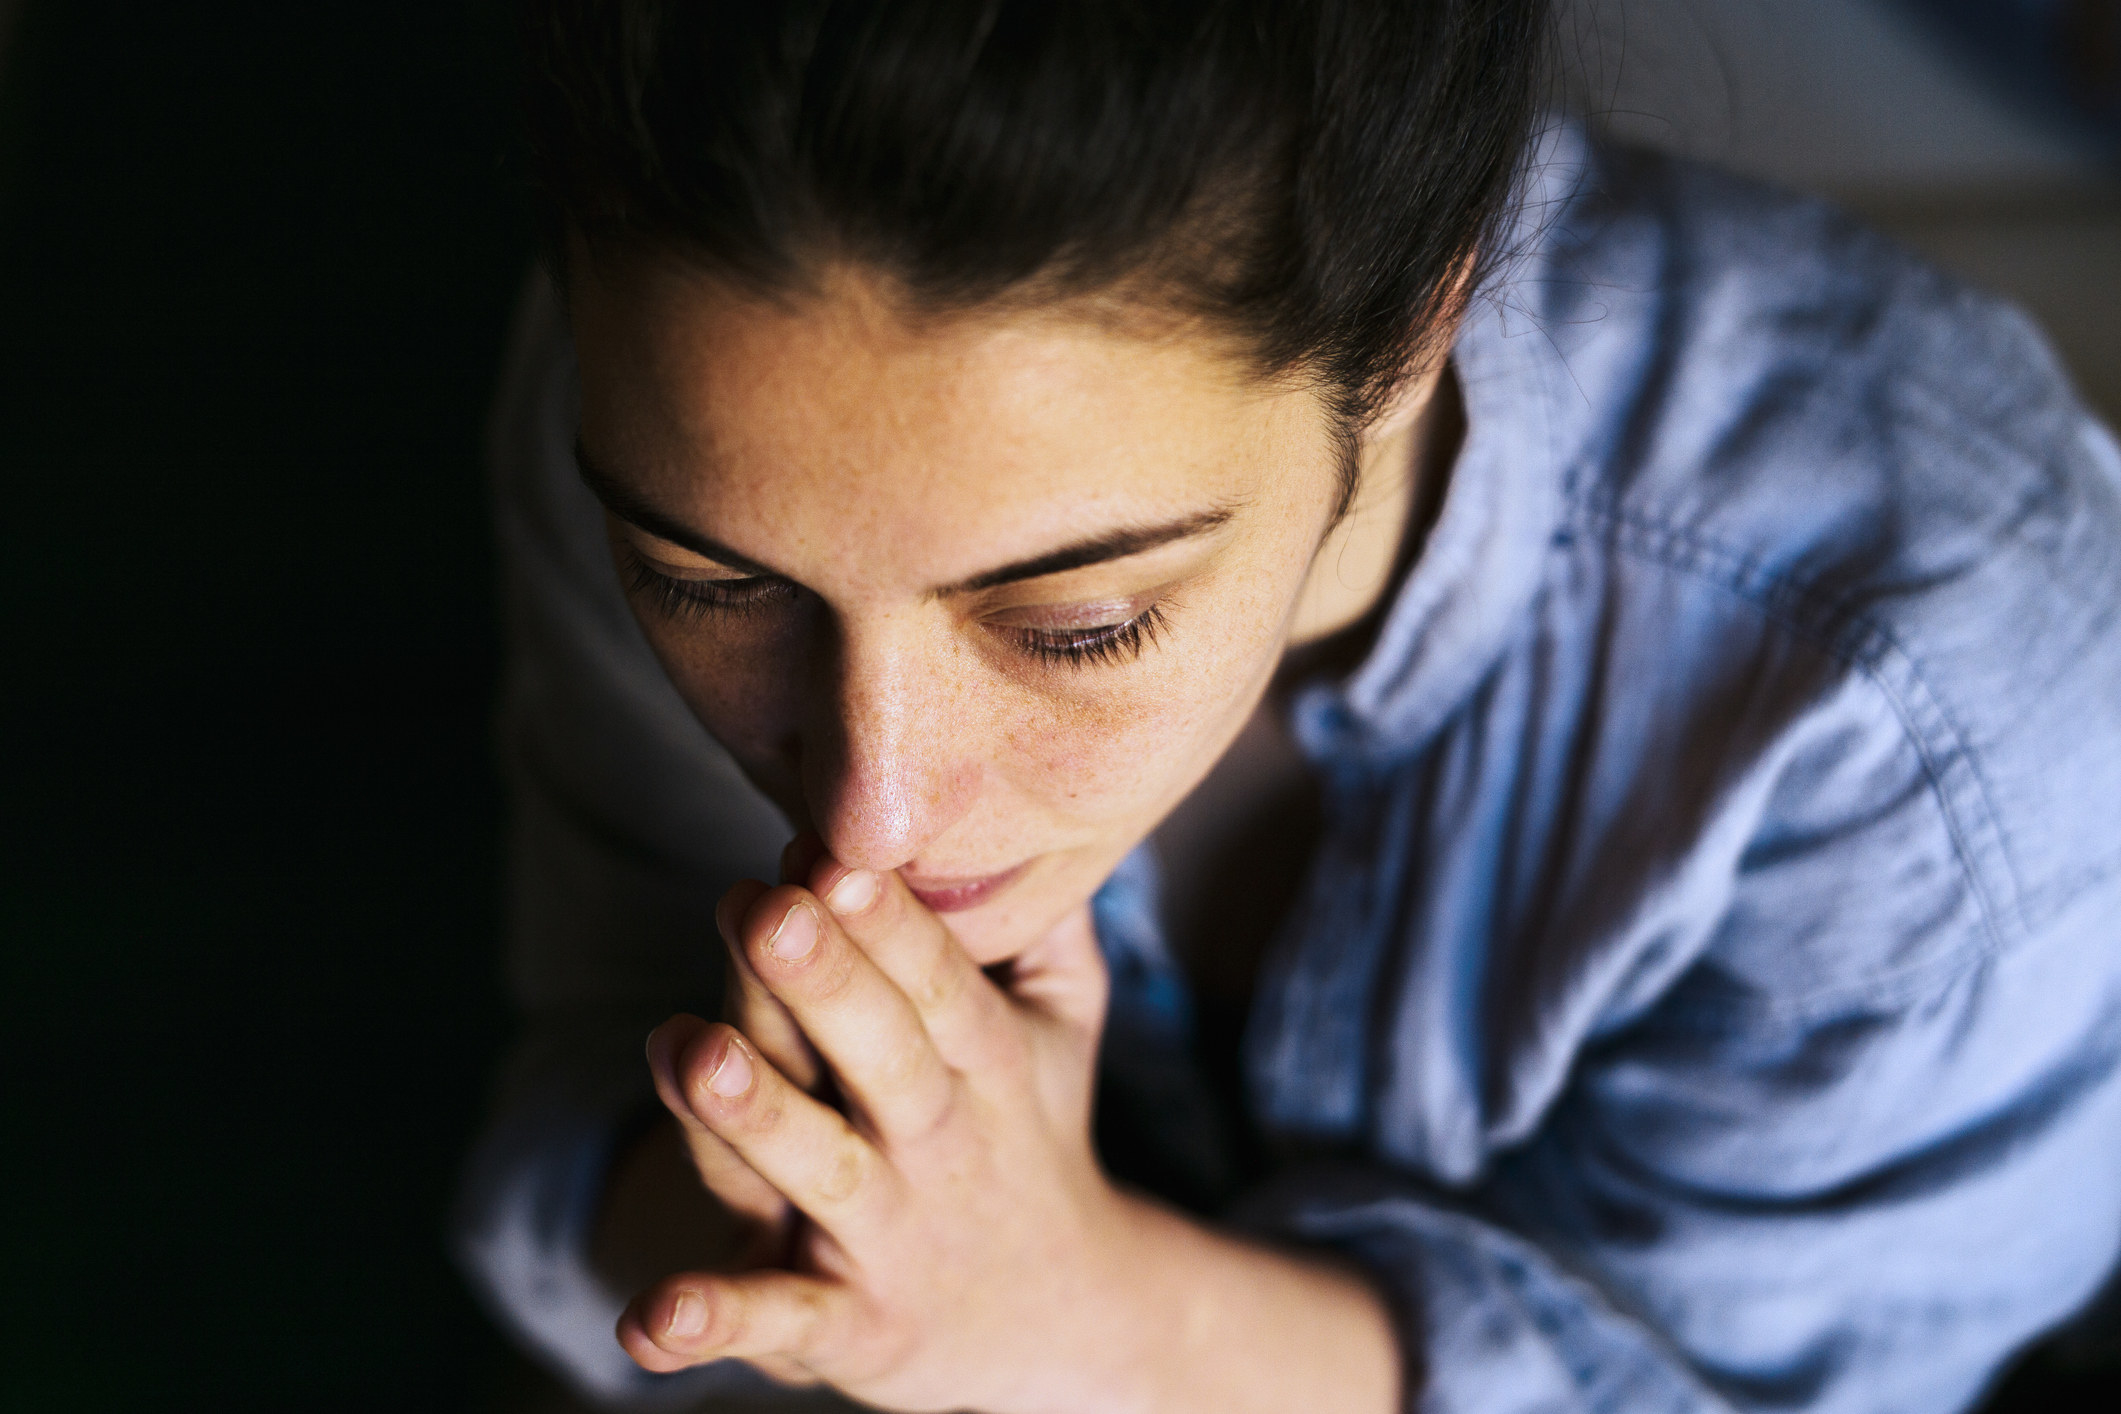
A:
837,418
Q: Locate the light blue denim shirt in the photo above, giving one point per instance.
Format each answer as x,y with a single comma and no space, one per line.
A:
1707,992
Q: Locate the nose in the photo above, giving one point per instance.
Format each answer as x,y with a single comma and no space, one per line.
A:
889,758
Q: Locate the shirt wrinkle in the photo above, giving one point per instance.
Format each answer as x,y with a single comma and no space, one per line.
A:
1856,639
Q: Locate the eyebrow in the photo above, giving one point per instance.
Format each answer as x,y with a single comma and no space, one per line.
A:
630,508
1096,550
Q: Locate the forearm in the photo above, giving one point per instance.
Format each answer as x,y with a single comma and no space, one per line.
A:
1228,1326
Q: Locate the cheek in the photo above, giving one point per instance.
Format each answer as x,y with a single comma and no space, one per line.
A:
1126,749
1092,763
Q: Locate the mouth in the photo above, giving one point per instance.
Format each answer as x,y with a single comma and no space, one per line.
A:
957,895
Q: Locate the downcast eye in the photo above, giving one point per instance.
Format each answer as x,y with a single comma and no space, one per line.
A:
691,599
1108,643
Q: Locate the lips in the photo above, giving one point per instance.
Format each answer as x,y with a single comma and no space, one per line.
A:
957,895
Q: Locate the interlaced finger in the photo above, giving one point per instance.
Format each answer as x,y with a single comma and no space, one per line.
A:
861,1022
806,1150
959,1008
750,1006
725,1173
779,1319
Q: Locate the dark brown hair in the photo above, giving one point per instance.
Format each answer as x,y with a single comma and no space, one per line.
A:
1320,177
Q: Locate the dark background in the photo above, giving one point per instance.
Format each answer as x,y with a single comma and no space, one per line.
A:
255,266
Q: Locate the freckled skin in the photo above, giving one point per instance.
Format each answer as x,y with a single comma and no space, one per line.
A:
869,456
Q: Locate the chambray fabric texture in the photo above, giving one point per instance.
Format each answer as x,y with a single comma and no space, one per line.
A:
1707,992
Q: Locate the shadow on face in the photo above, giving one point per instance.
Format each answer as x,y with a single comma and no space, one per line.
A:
978,597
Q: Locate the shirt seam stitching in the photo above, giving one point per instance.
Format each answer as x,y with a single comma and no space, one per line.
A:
1862,643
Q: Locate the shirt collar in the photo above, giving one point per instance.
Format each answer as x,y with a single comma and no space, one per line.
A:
1486,554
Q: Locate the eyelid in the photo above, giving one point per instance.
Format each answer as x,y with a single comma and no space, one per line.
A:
643,549
704,572
688,598
1085,614
1080,635
1107,644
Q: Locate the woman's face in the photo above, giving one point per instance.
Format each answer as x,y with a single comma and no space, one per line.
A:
978,598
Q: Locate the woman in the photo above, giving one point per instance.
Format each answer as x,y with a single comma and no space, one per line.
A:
1528,730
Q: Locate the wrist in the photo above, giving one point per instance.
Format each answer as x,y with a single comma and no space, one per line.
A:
1203,1320
1095,1340
1139,1291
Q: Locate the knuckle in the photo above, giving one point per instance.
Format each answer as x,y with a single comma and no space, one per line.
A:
844,1171
940,985
810,1310
930,1115
763,1118
901,1067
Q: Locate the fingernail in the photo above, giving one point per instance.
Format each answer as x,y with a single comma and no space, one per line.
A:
796,936
733,1076
855,891
688,1314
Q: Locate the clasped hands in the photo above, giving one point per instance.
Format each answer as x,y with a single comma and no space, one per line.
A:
912,1140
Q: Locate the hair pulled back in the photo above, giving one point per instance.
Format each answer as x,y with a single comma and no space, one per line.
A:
1324,179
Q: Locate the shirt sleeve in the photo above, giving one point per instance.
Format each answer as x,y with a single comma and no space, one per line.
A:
627,822
1487,1320
1860,1192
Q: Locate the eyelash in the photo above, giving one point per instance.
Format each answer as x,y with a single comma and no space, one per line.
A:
1083,647
689,600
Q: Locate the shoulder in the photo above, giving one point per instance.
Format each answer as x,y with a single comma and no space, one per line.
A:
1824,434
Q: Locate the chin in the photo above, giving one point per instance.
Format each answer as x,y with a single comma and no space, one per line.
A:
993,940
1005,927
